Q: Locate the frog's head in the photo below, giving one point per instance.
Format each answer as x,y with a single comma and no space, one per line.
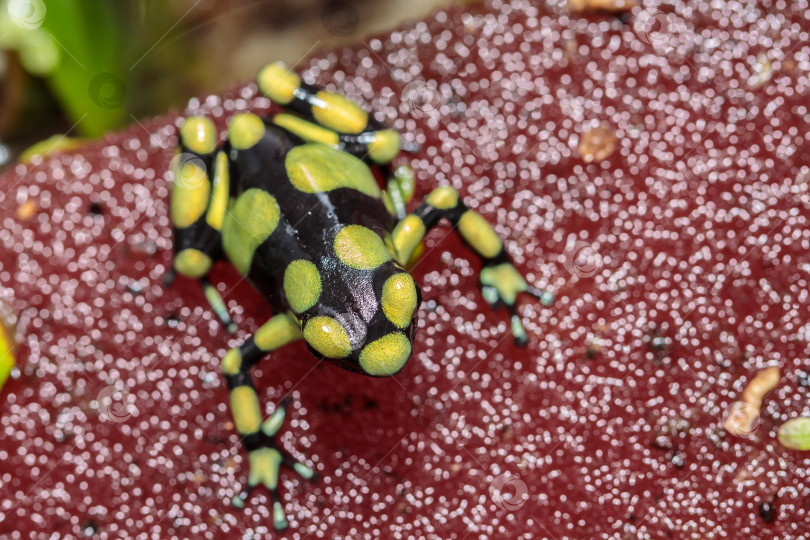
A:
366,321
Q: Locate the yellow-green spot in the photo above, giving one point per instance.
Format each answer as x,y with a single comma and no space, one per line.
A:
407,182
198,134
279,519
245,409
302,285
306,130
316,168
795,434
518,331
245,130
218,305
328,337
7,346
271,426
391,199
278,331
337,112
190,191
264,466
361,248
386,356
278,83
250,221
192,263
384,146
219,198
406,237
506,280
479,234
303,470
443,198
231,362
399,299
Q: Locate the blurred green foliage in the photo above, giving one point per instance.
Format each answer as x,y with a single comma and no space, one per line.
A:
91,66
88,79
87,52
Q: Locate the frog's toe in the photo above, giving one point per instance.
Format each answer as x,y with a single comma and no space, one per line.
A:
500,285
265,465
518,332
546,297
279,517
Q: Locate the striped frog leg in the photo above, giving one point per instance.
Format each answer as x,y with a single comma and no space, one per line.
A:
500,281
199,198
265,456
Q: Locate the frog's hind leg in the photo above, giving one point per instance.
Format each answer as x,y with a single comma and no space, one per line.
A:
338,121
499,280
199,198
265,457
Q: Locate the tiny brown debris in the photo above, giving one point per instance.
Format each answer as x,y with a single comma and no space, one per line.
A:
765,381
199,478
763,70
743,416
743,475
27,210
597,144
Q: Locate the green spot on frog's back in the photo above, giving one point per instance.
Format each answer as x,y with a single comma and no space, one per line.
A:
250,221
361,248
316,167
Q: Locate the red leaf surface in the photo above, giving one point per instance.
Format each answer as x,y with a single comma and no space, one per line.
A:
681,263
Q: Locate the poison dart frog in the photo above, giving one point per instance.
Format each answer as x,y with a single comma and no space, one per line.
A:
292,202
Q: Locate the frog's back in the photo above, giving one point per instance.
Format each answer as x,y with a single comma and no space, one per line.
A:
291,200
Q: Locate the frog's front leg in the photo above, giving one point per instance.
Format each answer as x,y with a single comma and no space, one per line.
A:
264,455
500,281
199,199
332,119
338,121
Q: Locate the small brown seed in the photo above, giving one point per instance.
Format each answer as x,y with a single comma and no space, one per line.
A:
597,144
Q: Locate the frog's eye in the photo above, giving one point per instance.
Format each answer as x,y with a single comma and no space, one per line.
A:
386,356
327,336
399,299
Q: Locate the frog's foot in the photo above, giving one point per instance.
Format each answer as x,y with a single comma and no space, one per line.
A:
266,459
215,301
500,285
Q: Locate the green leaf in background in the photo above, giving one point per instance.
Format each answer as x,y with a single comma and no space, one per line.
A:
92,76
795,434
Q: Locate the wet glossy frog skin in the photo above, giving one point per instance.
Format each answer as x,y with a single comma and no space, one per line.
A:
292,202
